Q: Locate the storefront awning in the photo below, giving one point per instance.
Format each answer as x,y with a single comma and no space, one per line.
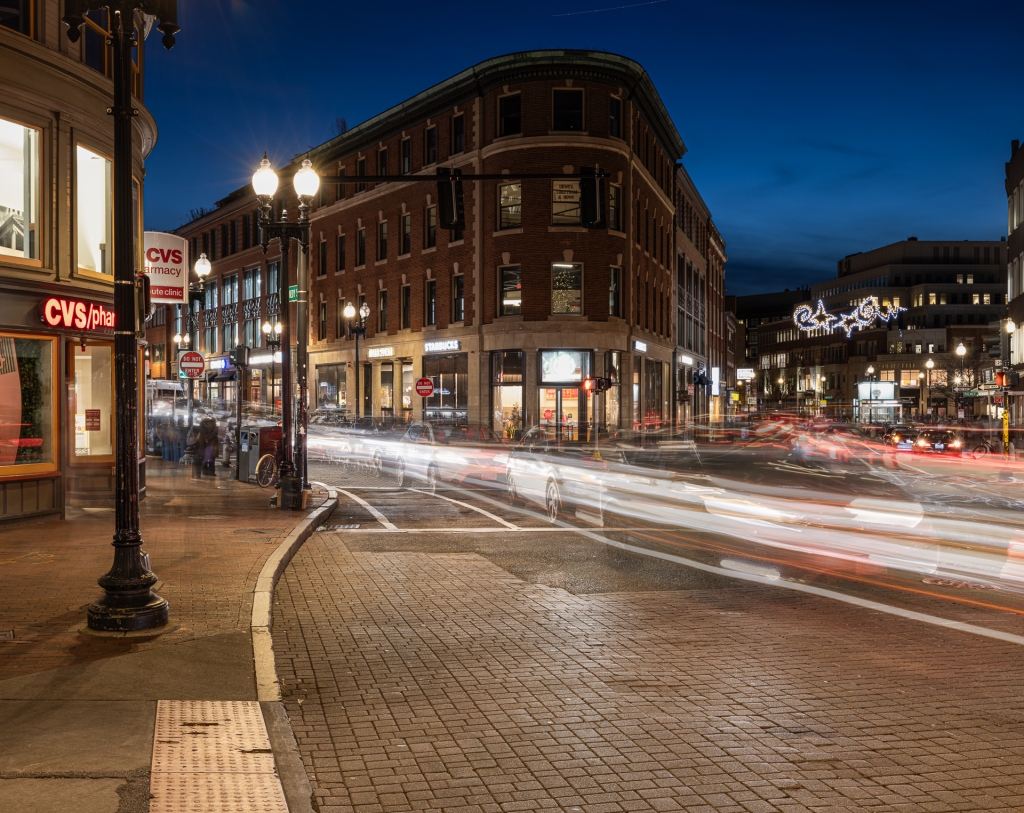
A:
224,375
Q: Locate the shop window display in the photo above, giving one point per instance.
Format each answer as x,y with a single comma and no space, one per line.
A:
507,393
93,212
19,191
93,399
566,288
26,401
450,401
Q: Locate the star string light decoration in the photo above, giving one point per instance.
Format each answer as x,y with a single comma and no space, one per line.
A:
864,315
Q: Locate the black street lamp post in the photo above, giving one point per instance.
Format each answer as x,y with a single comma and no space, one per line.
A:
305,184
357,330
273,334
129,602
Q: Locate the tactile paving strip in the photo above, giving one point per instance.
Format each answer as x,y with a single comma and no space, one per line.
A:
213,756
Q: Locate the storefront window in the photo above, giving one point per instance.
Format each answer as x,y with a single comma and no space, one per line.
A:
93,207
612,367
407,391
507,393
93,399
566,288
563,409
387,390
652,396
330,387
19,191
450,401
27,408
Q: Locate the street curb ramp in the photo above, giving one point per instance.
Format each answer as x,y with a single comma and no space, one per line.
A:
297,790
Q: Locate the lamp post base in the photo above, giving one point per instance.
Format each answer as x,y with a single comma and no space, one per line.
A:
129,603
291,493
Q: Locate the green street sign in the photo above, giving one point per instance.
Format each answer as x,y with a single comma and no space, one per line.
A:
293,293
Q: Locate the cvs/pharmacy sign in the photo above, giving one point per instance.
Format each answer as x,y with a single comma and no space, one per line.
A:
166,257
74,314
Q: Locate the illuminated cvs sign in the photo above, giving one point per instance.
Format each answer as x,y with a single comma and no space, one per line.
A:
76,314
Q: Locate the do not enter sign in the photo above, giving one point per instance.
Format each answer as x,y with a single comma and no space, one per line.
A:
191,364
424,387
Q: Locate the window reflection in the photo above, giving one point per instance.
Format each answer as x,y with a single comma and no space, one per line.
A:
93,204
19,191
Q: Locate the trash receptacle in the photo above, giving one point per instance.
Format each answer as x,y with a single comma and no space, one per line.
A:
256,442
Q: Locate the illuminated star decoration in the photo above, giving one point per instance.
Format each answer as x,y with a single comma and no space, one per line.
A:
864,315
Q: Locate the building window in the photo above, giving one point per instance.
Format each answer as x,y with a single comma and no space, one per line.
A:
406,307
20,16
975,299
322,326
382,311
458,134
93,202
230,289
510,115
92,399
430,227
382,161
458,299
507,367
340,314
566,288
321,269
28,379
251,283
456,235
615,291
19,190
430,302
341,252
406,156
615,118
273,278
360,247
342,187
382,240
615,207
361,172
511,286
987,300
565,203
430,146
406,236
322,195
567,110
510,206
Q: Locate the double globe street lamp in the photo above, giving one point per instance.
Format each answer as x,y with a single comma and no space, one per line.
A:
358,329
305,184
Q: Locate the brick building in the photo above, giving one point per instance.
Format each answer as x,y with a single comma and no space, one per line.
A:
1015,268
509,315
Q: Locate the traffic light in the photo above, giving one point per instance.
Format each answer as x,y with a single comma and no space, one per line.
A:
143,305
1007,379
596,385
591,198
994,346
240,356
451,212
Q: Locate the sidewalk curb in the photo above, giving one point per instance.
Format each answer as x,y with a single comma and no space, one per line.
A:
290,770
267,686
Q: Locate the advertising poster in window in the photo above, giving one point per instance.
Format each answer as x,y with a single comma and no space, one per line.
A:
26,401
166,258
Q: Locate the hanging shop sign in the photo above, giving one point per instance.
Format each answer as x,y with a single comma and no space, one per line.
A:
166,265
687,360
443,346
75,314
380,352
745,374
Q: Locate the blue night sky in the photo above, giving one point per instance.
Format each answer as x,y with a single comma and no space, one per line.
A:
814,129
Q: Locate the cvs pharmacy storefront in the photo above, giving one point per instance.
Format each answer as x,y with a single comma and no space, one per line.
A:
57,405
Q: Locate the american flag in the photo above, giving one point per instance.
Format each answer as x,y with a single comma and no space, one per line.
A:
8,359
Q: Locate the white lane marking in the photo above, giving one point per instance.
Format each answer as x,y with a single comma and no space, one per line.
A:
471,507
971,629
383,520
515,530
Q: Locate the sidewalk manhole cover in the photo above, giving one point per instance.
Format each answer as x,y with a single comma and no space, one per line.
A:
337,527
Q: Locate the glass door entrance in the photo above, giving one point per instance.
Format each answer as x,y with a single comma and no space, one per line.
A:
563,412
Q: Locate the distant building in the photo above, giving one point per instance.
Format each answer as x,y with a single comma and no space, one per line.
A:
761,309
1015,266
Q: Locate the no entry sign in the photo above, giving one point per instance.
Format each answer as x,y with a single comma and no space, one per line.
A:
191,364
424,387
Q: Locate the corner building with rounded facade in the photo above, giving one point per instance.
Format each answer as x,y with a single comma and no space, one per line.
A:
508,316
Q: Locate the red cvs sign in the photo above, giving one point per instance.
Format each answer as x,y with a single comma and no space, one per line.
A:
74,313
424,387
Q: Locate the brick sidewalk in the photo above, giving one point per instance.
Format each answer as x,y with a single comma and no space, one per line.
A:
207,541
421,681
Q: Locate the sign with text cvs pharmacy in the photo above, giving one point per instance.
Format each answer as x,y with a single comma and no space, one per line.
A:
166,265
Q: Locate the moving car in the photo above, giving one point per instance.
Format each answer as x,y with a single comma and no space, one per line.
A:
937,441
431,452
